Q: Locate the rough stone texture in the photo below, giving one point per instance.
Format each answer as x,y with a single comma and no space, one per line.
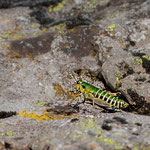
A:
106,43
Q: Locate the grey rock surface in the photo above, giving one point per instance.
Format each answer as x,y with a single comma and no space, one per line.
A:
106,43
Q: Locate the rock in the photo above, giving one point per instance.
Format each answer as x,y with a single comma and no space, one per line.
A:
102,45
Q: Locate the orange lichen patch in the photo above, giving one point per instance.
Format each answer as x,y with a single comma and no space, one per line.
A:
93,145
32,115
46,115
43,29
18,36
59,89
120,42
74,30
93,53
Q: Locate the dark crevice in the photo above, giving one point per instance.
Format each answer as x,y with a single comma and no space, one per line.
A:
7,145
106,127
145,61
5,114
125,69
120,120
27,3
141,106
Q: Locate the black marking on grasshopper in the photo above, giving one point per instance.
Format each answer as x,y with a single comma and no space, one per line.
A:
99,96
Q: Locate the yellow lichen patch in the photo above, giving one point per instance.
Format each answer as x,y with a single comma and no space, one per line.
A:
43,29
6,35
61,29
8,133
23,27
111,27
91,4
78,135
2,124
110,141
138,61
91,125
118,76
32,115
46,116
59,89
59,7
36,33
146,56
33,26
74,30
18,36
141,146
40,103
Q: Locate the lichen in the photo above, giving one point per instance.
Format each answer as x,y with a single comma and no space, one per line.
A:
146,56
91,4
111,27
59,7
59,89
60,29
138,61
118,75
78,135
91,125
2,123
9,133
110,141
6,35
32,115
45,116
141,146
40,103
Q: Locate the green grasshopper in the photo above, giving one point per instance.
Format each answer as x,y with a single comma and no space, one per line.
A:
99,97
